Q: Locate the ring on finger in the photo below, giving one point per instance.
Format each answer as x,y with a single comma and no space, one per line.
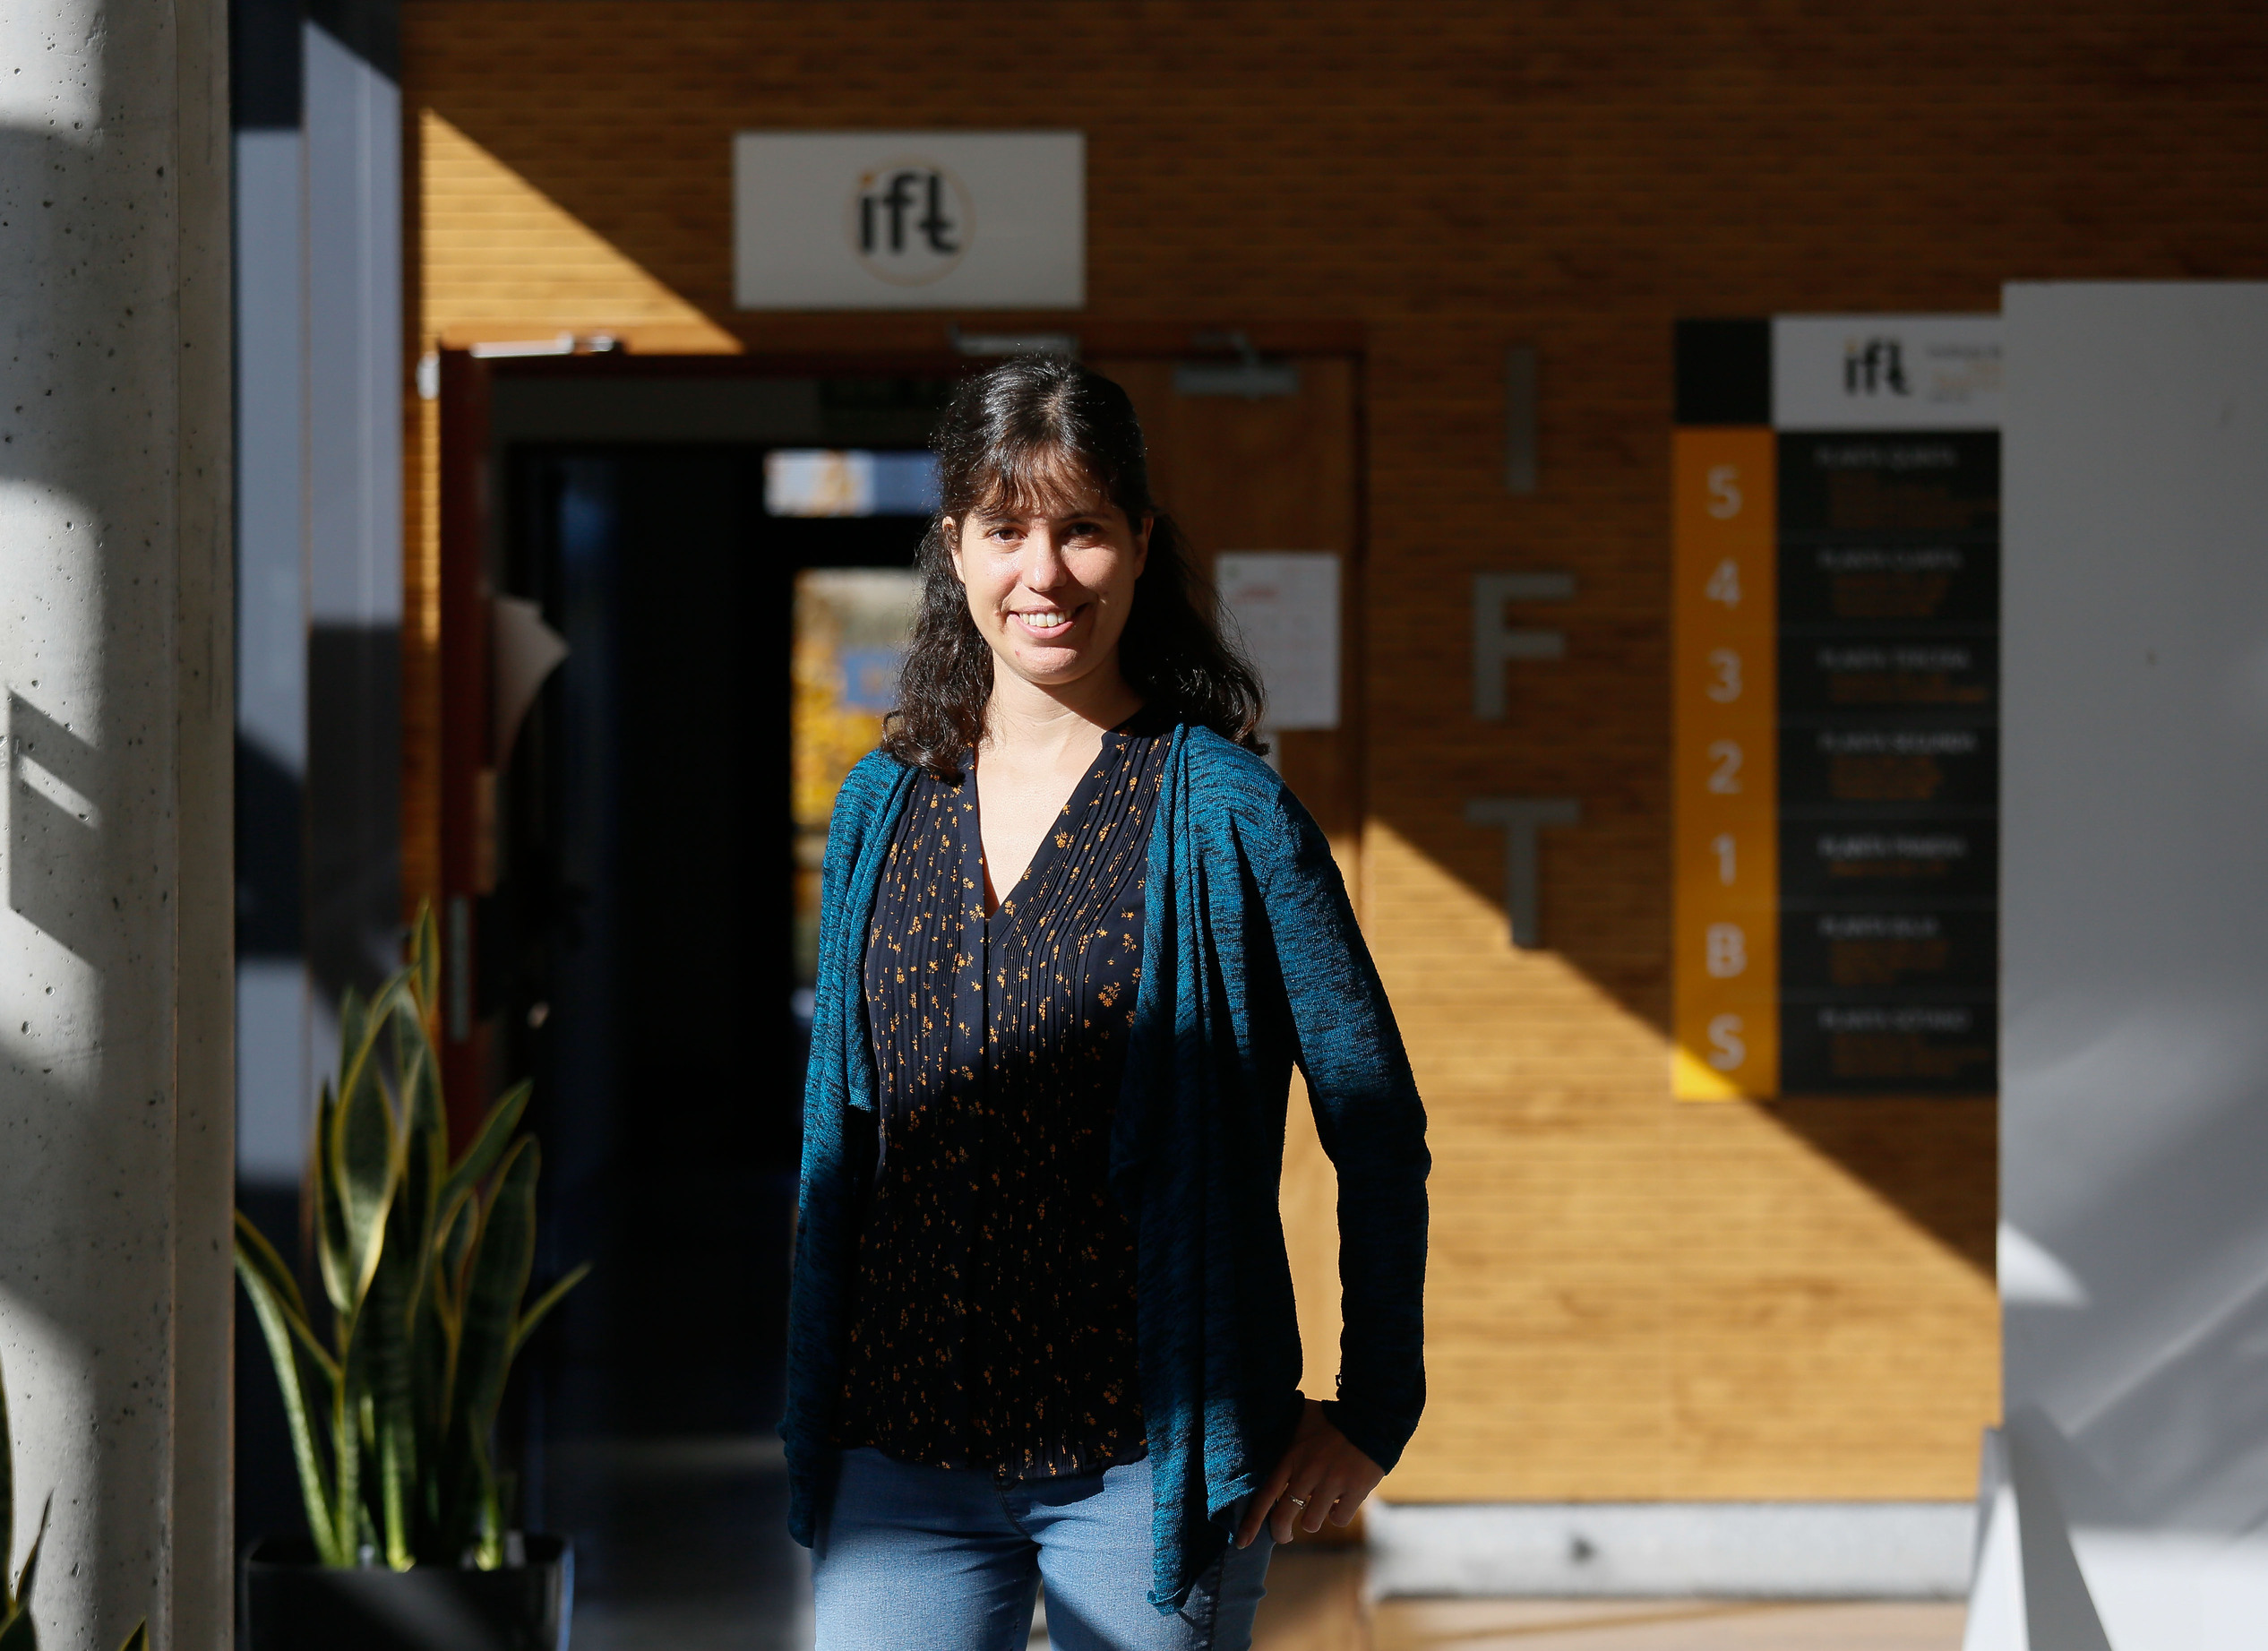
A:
1296,1501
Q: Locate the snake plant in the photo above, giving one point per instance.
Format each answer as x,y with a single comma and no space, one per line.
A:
426,1264
16,1632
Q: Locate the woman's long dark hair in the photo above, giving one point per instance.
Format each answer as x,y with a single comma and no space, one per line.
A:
1015,437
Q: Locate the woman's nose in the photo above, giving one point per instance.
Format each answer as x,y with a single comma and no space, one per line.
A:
1044,565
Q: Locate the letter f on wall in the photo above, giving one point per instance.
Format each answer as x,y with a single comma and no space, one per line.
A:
1494,645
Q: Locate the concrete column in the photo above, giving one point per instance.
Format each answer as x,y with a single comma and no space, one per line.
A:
116,1018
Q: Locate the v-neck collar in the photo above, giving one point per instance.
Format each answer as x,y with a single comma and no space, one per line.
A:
1056,841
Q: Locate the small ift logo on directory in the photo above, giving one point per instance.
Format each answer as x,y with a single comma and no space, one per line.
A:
1873,366
910,222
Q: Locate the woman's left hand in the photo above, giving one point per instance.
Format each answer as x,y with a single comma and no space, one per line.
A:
1322,1476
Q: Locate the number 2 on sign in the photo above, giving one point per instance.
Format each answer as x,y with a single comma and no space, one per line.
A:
1725,778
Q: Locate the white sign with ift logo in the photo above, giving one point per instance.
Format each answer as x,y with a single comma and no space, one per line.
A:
897,221
1885,372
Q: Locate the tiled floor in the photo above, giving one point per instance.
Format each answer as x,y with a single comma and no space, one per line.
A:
682,1546
1662,1625
1315,1605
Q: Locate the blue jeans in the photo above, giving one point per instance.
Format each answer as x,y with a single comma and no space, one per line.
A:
950,1559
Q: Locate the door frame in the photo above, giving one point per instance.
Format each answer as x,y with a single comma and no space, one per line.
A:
459,754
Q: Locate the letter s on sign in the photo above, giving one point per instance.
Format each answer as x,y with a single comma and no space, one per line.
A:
1726,1051
1724,491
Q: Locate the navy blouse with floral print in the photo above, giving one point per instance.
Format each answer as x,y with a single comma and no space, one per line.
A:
993,1316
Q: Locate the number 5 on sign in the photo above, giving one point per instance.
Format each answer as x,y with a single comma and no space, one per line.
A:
1724,491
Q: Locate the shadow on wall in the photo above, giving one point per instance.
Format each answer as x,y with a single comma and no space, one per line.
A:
1935,1159
1606,882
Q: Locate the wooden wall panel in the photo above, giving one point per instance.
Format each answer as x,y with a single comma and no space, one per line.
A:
1630,1298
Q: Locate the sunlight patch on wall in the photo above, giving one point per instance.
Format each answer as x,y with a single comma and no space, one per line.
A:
1478,1014
501,259
1632,1300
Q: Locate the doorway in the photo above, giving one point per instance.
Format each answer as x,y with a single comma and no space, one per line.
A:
726,548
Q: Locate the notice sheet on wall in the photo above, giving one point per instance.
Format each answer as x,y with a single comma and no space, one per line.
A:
1285,605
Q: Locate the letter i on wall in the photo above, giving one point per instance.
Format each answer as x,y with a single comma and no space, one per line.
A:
1725,1024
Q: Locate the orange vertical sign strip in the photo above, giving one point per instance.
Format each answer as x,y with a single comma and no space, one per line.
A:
1725,945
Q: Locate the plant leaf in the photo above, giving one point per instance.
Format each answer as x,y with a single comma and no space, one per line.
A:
257,1264
16,1632
7,1496
424,962
29,1574
349,1440
254,1250
488,1146
138,1640
365,1160
387,1312
534,1314
503,1250
496,1281
330,1219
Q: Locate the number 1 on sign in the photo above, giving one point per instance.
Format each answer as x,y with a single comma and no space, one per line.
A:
1727,865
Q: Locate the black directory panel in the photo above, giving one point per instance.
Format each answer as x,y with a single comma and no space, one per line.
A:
1889,745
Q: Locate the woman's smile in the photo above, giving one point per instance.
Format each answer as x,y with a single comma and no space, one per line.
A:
1048,624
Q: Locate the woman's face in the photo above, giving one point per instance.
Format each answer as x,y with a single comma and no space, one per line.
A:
1050,589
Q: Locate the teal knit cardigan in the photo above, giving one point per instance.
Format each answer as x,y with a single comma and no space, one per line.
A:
1250,961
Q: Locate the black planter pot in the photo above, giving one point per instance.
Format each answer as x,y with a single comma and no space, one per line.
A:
286,1602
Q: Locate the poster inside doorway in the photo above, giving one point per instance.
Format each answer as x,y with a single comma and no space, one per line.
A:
1835,770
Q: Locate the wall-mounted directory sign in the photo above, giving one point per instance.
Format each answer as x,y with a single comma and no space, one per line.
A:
864,221
1836,617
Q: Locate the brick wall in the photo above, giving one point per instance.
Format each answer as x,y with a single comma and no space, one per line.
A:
1630,1298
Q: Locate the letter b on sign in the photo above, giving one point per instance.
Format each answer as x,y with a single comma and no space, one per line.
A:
1727,954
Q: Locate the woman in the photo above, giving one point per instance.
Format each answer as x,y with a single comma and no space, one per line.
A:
1074,933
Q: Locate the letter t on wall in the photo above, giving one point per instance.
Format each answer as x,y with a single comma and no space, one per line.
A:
1493,645
1521,817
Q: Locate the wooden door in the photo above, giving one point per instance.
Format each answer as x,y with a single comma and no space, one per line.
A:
1280,473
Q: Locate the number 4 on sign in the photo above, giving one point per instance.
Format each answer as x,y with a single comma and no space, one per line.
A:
1725,583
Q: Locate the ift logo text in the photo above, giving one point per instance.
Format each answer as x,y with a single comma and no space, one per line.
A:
910,222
